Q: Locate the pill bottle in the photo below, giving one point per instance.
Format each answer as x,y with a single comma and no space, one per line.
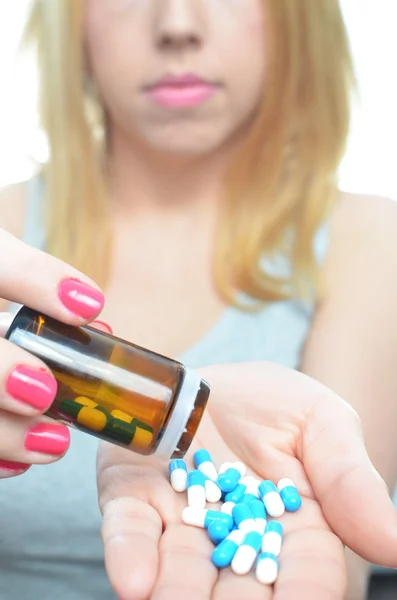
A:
113,389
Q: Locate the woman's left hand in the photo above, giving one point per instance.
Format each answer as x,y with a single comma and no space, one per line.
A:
280,423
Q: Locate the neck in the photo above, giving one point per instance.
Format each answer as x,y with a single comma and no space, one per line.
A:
141,180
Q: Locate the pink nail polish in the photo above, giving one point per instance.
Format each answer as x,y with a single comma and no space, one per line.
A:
31,386
13,467
81,299
48,439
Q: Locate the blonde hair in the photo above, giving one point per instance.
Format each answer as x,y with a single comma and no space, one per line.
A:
281,185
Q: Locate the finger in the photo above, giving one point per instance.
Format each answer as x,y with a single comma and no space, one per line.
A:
312,565
12,469
135,499
353,497
186,570
42,282
27,387
31,441
240,587
131,530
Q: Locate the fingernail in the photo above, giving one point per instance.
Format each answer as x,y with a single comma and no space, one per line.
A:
13,467
32,386
48,439
81,299
101,325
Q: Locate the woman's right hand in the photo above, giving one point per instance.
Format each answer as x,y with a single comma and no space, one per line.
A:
27,387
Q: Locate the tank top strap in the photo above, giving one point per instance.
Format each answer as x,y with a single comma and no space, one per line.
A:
34,232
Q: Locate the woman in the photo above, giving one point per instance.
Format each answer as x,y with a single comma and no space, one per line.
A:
194,149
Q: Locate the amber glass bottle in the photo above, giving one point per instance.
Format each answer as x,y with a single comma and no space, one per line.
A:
113,389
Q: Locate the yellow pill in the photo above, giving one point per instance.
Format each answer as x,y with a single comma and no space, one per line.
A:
85,401
92,419
123,416
142,438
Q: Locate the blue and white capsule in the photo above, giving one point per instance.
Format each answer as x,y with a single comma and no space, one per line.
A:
273,538
228,479
223,554
243,517
251,488
224,467
203,462
203,517
289,495
218,531
213,493
227,507
237,494
271,498
259,513
240,467
196,494
246,553
267,568
177,470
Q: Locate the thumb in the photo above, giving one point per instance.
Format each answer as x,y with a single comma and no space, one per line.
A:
131,526
353,497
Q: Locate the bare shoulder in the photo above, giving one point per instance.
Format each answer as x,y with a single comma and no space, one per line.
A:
363,244
356,214
13,208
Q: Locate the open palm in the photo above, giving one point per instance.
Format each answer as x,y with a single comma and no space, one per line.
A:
280,424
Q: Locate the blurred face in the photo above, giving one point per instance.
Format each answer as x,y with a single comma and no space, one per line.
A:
182,76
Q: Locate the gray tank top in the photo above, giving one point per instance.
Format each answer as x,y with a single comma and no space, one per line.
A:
50,545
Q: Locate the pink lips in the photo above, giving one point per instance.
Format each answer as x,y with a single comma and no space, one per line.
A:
181,91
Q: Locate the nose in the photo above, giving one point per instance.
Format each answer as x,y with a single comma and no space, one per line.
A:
180,25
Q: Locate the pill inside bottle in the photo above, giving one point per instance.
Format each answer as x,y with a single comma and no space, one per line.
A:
113,389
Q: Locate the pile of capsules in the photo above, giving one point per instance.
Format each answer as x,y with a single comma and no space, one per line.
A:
240,530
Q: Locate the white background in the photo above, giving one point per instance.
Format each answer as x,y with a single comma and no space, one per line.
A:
370,164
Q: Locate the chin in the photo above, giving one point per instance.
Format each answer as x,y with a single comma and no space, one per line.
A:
187,143
180,134
185,149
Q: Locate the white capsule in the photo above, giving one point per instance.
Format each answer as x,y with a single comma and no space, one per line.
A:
246,553
212,492
227,508
266,568
273,538
196,495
